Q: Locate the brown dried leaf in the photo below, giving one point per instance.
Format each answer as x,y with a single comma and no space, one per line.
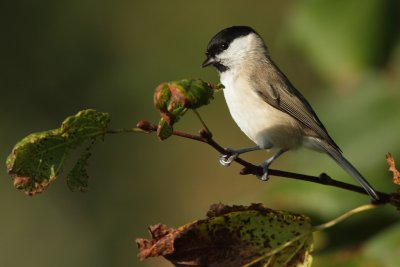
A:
234,236
393,169
162,242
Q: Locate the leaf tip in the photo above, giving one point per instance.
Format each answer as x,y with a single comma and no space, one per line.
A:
30,186
161,244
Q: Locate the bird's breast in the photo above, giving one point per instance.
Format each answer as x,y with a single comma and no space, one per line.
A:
261,122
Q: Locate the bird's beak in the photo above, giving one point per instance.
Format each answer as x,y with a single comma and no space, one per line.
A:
209,60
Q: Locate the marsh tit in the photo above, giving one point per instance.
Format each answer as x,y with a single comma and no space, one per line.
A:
265,104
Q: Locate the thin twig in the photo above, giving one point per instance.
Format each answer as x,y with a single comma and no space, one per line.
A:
249,168
126,130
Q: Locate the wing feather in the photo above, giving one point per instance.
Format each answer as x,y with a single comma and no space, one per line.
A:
281,94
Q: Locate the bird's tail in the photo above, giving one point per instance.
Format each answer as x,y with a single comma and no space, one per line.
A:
350,169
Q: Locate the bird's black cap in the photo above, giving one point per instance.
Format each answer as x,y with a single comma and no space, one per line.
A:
222,39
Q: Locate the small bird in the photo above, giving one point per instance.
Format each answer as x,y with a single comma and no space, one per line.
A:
265,104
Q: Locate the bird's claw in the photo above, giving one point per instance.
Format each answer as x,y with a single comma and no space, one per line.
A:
264,177
226,160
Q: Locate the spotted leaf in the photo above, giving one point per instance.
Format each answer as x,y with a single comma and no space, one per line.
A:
38,159
234,236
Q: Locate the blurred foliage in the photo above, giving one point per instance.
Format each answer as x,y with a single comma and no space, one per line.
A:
346,38
380,250
59,57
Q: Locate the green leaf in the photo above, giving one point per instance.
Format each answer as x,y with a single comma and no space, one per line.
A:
38,159
77,178
234,236
173,99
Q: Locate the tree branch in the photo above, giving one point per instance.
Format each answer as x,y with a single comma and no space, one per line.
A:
206,137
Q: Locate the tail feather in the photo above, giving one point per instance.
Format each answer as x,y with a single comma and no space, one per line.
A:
348,167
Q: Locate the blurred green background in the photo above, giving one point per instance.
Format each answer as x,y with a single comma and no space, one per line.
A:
58,57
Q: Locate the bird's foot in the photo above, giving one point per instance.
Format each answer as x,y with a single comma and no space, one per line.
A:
265,164
226,160
264,177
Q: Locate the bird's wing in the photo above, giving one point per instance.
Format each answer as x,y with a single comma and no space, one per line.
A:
281,94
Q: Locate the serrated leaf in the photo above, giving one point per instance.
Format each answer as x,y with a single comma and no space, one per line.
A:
173,99
237,236
38,159
84,125
32,164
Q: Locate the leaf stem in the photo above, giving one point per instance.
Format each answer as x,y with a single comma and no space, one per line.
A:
344,217
201,120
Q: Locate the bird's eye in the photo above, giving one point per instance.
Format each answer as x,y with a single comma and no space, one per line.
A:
224,46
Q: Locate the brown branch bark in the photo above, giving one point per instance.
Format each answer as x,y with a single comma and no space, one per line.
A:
249,168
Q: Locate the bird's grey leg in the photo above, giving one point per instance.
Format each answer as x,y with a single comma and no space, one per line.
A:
266,164
226,160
